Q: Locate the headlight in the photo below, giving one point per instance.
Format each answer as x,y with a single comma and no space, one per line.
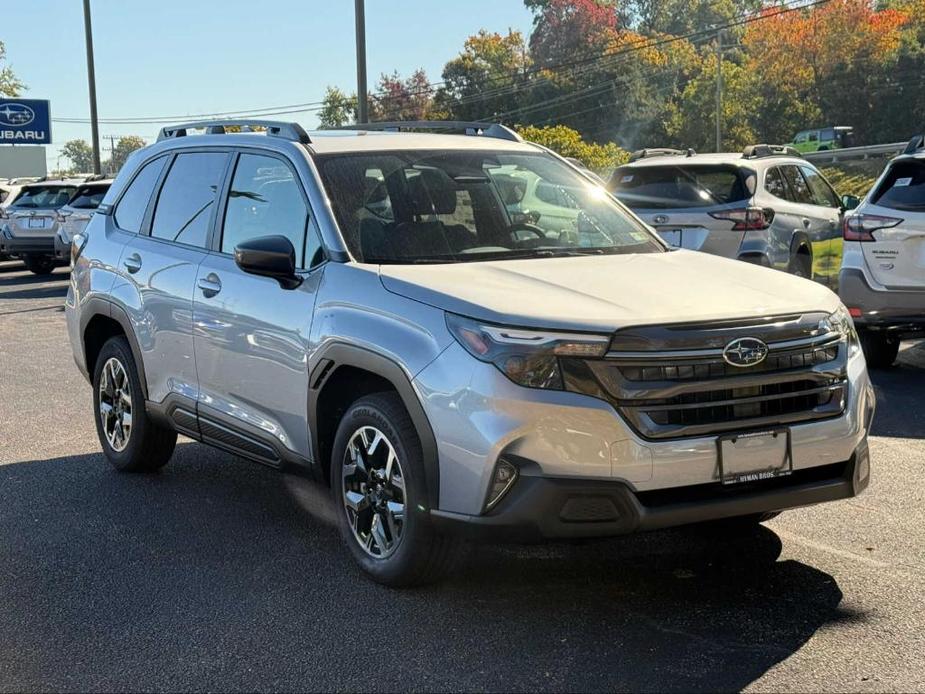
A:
528,357
842,323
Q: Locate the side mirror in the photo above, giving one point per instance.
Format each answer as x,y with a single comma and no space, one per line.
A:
269,256
849,202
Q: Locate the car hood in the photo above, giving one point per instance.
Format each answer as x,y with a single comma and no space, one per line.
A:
597,293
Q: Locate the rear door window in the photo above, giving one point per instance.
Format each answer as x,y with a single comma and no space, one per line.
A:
775,184
798,187
822,193
667,187
187,198
130,212
903,188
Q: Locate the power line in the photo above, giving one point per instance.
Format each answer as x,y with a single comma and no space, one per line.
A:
589,62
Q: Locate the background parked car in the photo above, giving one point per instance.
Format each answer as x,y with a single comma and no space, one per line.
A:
28,225
882,279
822,139
766,205
73,217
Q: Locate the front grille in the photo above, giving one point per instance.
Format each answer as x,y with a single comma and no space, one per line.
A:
692,391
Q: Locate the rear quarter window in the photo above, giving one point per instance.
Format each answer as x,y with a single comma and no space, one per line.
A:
667,187
903,188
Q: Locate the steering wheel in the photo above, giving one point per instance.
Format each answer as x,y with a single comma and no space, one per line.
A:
526,226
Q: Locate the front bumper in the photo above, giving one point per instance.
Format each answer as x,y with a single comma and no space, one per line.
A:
541,508
881,309
478,416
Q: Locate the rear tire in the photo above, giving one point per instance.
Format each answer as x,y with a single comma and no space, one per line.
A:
381,504
131,441
801,265
880,350
39,264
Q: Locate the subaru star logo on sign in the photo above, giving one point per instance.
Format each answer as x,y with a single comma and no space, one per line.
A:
745,351
25,121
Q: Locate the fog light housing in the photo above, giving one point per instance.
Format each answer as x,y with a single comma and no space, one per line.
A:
502,480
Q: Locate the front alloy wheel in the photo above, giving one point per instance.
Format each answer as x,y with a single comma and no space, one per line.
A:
374,492
115,398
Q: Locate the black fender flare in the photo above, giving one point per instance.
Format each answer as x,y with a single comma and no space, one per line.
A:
337,354
97,306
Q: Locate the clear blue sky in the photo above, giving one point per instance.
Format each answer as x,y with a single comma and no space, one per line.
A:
173,57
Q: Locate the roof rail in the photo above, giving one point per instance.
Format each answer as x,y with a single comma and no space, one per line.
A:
496,130
660,152
761,151
95,177
273,128
915,144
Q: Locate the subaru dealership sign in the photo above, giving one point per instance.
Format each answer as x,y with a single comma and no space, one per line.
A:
25,122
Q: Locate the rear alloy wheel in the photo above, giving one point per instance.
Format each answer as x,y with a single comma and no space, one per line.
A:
39,264
880,349
131,440
377,479
115,398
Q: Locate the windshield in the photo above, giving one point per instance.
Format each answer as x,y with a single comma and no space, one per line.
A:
437,207
44,197
88,197
678,187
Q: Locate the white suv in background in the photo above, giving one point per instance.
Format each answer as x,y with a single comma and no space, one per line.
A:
882,279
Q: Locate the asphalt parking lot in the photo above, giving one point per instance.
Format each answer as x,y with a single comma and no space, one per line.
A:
218,574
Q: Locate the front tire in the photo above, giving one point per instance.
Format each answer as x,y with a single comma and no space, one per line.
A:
377,479
131,441
880,350
39,264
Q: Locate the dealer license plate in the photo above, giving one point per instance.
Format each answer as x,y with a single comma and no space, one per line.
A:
754,456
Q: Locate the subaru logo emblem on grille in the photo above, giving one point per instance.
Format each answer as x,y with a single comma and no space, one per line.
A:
16,114
660,219
745,351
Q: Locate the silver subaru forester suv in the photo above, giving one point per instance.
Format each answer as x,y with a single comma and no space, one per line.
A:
361,306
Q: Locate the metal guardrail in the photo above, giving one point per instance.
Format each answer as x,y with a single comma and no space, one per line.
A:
849,153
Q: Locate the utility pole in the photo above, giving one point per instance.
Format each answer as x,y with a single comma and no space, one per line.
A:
719,90
362,106
91,79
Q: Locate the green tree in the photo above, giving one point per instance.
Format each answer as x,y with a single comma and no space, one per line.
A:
124,147
80,154
487,77
337,109
691,116
9,84
601,158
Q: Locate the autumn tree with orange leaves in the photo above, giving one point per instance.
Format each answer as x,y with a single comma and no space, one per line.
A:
822,66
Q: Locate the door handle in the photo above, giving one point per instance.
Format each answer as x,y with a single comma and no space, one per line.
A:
210,285
132,263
